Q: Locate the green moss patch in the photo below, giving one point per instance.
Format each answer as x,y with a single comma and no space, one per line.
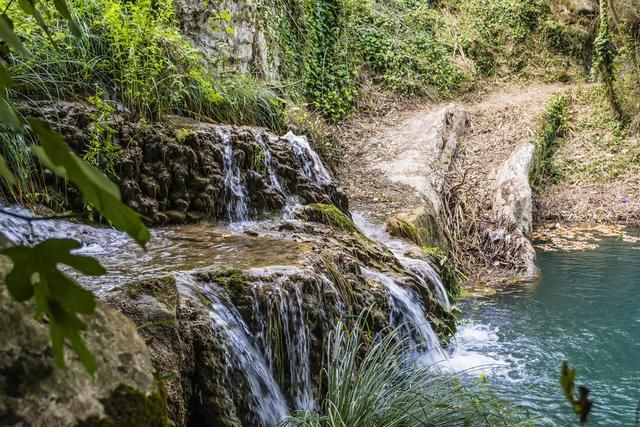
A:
329,215
127,406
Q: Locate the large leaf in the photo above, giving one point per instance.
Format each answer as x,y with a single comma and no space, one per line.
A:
7,34
5,172
9,117
35,273
97,190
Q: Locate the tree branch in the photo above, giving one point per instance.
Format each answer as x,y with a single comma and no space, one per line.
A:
31,219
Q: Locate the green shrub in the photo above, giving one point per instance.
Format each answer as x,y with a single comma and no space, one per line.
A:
552,127
134,54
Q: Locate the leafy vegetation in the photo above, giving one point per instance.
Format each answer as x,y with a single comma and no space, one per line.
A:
601,148
34,273
415,47
377,383
552,127
133,54
582,405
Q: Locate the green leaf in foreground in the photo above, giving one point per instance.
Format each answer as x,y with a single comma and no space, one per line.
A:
97,190
35,273
7,34
5,172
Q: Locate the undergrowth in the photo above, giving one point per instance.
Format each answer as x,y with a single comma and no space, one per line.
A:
603,149
133,54
415,47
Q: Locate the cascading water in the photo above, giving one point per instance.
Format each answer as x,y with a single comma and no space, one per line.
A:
422,269
278,310
268,161
427,274
407,314
312,166
270,404
235,189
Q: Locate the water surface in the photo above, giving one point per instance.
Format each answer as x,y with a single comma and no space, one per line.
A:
584,309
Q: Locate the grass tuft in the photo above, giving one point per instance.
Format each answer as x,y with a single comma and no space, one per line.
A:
377,384
329,215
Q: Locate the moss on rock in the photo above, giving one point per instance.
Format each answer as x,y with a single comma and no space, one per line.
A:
329,215
126,406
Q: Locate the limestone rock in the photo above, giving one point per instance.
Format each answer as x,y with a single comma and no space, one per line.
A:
35,392
419,154
512,202
512,210
245,48
401,172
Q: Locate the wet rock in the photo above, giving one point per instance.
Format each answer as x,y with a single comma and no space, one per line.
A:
178,333
34,391
175,217
183,165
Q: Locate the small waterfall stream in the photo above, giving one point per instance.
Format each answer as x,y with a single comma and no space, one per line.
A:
268,161
235,189
270,404
407,314
278,309
312,166
270,347
422,269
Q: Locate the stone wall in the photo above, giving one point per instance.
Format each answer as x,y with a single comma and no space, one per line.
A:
243,46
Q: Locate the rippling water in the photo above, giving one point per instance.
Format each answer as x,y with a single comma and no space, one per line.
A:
584,309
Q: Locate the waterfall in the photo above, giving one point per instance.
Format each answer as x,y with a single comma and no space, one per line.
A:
270,404
311,166
268,160
278,310
421,269
235,190
407,313
425,272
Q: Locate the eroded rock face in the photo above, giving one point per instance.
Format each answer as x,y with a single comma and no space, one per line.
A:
244,347
245,48
513,200
184,171
401,172
35,392
512,209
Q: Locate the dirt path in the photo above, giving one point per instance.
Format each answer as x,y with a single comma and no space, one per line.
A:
497,123
447,160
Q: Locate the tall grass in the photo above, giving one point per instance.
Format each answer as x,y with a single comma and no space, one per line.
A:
376,383
134,54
